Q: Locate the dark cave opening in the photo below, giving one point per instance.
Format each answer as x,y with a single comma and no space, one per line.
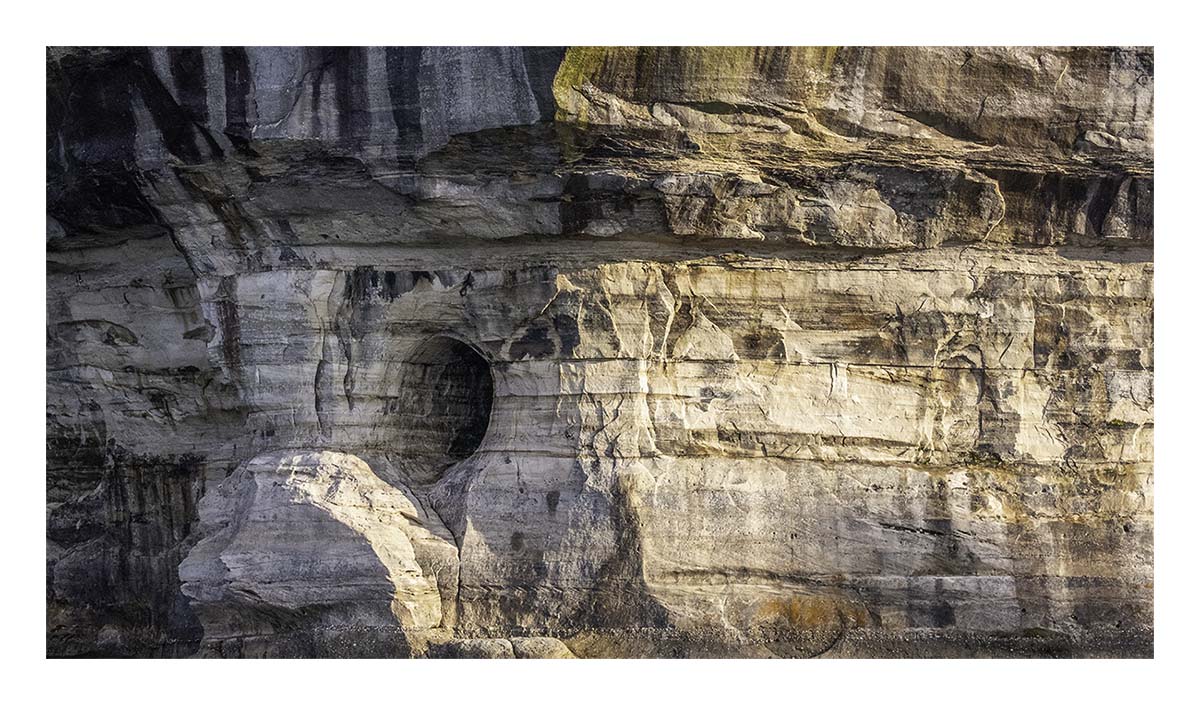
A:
445,403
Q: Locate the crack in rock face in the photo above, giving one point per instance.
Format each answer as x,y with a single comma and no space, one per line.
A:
600,351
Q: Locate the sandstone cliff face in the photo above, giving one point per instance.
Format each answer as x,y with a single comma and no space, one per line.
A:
600,351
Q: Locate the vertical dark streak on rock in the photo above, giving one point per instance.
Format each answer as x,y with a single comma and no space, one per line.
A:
318,382
1017,417
321,57
323,389
179,135
642,67
541,65
237,93
353,107
776,68
227,319
187,70
350,326
403,72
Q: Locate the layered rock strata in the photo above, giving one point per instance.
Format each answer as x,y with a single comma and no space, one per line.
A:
600,352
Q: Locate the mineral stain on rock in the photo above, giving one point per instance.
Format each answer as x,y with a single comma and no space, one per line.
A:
546,352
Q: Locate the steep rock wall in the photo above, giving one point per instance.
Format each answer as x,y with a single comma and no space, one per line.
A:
792,351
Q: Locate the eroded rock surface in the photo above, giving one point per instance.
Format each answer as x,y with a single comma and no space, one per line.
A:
632,352
297,542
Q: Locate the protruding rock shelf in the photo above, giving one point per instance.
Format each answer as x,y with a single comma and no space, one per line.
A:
600,352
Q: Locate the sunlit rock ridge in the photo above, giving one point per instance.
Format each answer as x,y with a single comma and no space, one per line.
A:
595,352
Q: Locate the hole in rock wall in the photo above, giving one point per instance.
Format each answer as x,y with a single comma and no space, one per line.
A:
444,405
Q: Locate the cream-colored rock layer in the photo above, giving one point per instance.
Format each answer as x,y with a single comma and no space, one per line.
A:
787,345
300,540
960,438
1018,96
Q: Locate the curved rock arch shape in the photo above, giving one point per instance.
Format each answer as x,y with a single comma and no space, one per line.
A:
444,407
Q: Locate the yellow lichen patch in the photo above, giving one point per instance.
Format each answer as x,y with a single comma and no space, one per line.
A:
579,65
830,55
811,612
697,75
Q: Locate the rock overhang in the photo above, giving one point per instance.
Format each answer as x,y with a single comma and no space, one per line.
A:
725,333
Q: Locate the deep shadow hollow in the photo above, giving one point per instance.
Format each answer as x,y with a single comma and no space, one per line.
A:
445,403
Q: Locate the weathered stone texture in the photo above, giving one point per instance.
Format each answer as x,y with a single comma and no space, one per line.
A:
503,352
